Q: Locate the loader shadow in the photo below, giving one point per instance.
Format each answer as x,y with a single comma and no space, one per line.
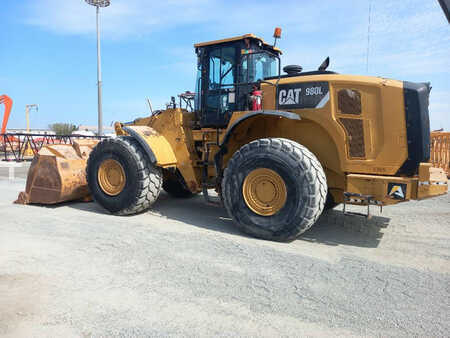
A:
88,206
196,212
333,227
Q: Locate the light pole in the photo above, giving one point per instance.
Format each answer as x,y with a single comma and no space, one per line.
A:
98,4
27,113
28,151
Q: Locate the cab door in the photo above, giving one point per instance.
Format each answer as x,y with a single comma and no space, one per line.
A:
219,99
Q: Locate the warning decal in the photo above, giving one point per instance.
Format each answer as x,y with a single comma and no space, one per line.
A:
397,191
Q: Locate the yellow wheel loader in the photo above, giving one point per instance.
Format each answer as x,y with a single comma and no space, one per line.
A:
278,148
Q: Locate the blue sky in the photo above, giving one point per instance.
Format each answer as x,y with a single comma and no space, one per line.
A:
48,49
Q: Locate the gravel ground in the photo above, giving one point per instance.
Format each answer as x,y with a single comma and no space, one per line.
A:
183,270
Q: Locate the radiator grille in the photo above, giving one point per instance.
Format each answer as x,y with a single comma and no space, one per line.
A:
349,102
355,132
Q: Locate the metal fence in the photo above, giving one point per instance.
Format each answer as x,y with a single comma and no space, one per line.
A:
440,150
22,147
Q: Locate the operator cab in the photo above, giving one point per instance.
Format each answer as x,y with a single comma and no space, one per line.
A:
228,72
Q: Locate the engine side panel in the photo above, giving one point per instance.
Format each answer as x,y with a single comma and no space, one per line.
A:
368,133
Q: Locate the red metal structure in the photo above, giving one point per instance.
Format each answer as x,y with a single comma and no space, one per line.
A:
6,100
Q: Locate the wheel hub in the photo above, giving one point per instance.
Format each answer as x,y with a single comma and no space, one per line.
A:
111,177
264,191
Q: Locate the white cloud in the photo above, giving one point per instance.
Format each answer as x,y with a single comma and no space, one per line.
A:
122,19
125,18
409,39
413,42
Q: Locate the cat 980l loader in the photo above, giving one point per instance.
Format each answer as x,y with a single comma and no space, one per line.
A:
277,148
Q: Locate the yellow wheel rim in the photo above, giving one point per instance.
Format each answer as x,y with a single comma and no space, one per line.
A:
111,177
264,191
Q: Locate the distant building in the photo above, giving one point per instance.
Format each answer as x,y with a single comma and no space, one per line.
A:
32,131
84,130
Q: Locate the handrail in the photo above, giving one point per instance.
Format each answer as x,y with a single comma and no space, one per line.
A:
14,145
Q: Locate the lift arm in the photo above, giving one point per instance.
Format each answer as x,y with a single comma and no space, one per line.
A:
6,100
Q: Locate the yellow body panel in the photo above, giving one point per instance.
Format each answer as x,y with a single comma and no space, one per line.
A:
175,125
429,183
161,148
177,142
382,115
377,186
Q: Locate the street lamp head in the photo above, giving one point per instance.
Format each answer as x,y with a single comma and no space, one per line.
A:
99,3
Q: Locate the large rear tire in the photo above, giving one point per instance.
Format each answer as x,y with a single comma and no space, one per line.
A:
274,189
121,178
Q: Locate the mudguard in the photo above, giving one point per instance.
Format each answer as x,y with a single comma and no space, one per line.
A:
280,113
155,145
223,145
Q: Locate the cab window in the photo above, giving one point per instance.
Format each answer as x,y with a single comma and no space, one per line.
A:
258,66
221,67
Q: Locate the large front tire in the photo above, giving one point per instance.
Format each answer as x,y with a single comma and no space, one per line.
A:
274,189
121,178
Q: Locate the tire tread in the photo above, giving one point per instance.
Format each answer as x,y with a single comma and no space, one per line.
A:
307,163
149,176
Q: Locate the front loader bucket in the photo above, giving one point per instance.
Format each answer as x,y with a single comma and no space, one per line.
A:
58,174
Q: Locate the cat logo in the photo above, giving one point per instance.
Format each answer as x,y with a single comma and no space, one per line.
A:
291,96
312,95
397,191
